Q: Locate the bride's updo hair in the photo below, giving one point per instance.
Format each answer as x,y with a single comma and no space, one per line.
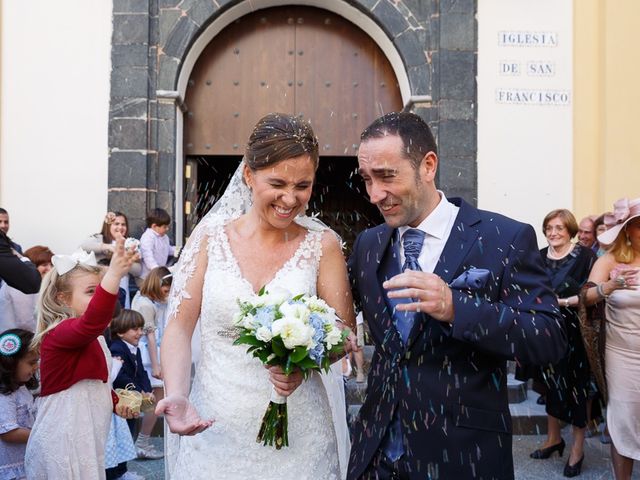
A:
277,137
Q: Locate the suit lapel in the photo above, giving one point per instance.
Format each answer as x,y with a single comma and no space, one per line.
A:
462,237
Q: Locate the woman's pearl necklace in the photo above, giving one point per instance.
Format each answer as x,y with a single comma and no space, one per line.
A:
553,254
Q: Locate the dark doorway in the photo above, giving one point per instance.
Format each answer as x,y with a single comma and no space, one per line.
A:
339,197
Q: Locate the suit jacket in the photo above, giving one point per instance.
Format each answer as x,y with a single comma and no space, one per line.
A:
23,276
449,382
132,370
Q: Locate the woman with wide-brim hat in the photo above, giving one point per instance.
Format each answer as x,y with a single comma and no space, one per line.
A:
614,284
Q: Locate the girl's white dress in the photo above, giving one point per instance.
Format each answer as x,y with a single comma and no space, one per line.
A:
154,314
16,411
233,388
70,432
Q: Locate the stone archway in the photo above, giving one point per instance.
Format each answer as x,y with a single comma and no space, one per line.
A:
432,44
298,60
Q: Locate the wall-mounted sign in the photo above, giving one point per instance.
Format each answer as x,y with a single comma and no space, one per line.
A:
525,126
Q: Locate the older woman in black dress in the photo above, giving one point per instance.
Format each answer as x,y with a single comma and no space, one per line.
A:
568,382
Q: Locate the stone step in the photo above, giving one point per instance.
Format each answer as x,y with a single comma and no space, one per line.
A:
355,392
516,389
528,418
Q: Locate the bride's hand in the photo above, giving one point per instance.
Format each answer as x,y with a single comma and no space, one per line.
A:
351,343
181,416
285,385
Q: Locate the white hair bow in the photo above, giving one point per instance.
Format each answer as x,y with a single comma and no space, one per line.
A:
66,263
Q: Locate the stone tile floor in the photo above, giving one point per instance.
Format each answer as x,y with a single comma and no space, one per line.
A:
596,465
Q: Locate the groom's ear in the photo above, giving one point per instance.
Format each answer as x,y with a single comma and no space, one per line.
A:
429,166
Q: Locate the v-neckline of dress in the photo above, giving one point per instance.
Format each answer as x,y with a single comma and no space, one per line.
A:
236,264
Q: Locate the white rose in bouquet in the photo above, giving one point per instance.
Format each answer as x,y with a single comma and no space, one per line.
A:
264,334
295,310
249,322
293,332
334,337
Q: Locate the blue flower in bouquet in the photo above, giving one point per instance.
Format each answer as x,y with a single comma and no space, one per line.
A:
317,353
317,322
265,316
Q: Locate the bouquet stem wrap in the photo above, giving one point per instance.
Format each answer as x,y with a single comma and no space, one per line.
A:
274,428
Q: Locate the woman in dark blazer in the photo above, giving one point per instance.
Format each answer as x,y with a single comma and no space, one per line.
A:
569,381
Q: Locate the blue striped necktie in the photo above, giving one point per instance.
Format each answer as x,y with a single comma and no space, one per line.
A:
412,241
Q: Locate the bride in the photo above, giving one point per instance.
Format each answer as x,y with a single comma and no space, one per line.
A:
256,235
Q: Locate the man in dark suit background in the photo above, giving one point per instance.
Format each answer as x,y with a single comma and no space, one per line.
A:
450,293
17,270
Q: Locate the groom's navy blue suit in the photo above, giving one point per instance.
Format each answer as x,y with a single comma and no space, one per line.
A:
448,382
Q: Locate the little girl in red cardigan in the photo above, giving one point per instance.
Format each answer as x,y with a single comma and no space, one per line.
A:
75,404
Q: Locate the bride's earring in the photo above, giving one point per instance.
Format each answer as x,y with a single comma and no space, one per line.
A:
628,241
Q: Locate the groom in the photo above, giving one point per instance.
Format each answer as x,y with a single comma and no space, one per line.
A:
450,293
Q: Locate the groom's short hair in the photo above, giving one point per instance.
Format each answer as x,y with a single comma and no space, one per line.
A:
416,136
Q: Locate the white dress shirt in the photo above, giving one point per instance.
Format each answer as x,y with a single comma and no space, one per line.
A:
154,250
437,227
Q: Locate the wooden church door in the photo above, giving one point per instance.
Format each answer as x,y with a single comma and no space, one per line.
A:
298,60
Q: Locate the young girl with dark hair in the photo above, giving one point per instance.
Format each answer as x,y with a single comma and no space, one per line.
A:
18,366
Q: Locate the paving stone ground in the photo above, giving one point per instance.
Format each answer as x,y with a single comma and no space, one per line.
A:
596,464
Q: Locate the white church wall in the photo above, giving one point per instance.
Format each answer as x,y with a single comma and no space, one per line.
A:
54,117
525,122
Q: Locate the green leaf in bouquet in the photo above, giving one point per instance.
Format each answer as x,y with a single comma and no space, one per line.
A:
248,339
262,290
273,361
297,297
261,355
278,347
307,364
298,354
288,366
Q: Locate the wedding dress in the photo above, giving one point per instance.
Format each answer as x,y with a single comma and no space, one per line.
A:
233,388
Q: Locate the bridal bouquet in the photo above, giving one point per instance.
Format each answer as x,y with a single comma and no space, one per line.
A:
293,332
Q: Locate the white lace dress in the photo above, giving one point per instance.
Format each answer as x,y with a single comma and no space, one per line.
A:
233,388
68,438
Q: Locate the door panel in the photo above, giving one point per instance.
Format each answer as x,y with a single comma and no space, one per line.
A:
243,74
339,73
298,60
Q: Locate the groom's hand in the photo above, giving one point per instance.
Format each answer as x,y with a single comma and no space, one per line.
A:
427,291
285,385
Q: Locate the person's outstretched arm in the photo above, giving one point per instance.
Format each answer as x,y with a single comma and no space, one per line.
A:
175,356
